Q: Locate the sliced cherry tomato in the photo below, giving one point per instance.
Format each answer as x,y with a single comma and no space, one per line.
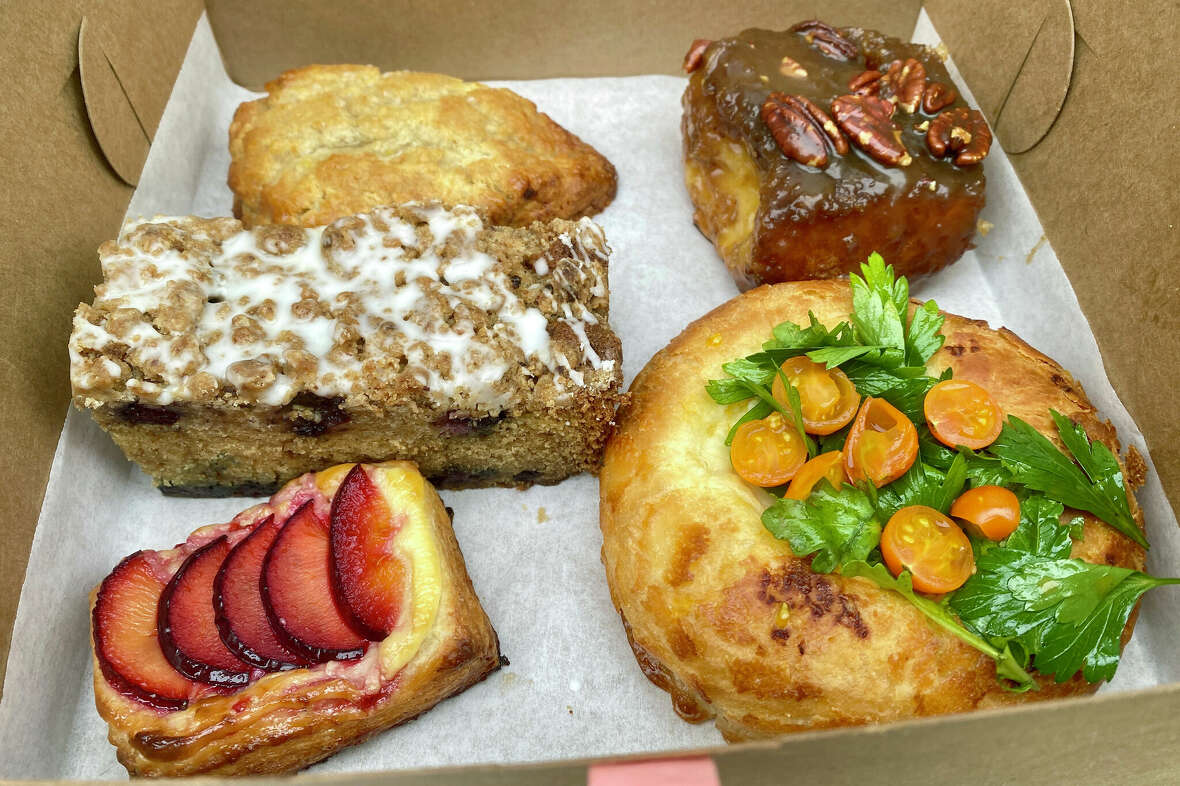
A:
828,465
962,413
827,397
930,546
767,452
991,512
882,443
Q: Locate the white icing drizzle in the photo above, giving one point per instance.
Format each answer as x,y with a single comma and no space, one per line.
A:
236,304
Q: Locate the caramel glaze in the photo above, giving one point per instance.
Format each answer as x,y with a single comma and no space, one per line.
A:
821,223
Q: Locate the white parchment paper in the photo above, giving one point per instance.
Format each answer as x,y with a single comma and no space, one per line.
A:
573,688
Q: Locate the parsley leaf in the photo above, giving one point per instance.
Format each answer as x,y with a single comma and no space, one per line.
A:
834,356
1040,531
788,335
754,369
904,387
796,412
907,490
1068,614
923,485
1007,666
924,335
1036,462
879,304
834,441
835,526
728,391
987,471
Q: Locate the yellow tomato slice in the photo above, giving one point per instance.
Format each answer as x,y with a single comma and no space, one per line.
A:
991,512
930,546
767,452
962,413
881,445
827,398
828,465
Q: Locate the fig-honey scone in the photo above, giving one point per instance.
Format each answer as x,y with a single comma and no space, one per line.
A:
807,149
869,518
228,361
332,140
337,609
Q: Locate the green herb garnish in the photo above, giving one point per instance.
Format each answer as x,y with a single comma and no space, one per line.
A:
1007,666
834,526
1095,486
1027,601
1068,614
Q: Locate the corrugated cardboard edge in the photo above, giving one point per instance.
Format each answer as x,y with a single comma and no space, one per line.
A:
603,38
1117,738
61,199
1128,737
116,124
1094,148
1021,71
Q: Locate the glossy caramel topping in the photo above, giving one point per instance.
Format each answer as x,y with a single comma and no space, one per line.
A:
737,76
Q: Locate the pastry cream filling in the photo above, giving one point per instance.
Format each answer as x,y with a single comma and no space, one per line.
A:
738,178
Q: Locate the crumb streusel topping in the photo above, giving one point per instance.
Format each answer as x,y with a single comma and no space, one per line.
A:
413,301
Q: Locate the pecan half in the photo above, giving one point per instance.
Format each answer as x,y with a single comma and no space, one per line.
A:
867,121
962,131
937,97
866,83
695,55
793,130
826,39
791,68
825,123
904,83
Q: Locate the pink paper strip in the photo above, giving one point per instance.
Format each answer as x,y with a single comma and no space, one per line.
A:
700,771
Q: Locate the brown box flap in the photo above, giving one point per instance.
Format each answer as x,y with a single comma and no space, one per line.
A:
1100,175
525,39
1076,91
61,199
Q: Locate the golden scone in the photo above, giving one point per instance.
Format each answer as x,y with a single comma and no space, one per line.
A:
334,140
724,616
278,721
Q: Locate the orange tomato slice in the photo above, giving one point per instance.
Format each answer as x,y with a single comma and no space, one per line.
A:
881,445
991,512
827,398
828,465
767,452
962,413
930,546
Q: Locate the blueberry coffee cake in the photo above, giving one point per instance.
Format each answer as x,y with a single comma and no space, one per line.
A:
227,361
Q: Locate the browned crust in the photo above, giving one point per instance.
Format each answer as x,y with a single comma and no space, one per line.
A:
699,582
286,727
331,141
917,230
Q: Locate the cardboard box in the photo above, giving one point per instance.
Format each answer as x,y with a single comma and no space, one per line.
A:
1071,90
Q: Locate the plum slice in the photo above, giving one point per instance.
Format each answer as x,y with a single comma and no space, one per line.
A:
368,577
187,630
297,594
125,640
237,604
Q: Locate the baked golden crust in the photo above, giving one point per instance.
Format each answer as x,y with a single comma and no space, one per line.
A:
334,140
699,582
289,720
773,219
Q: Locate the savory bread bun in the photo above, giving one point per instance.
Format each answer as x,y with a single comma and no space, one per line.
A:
723,616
